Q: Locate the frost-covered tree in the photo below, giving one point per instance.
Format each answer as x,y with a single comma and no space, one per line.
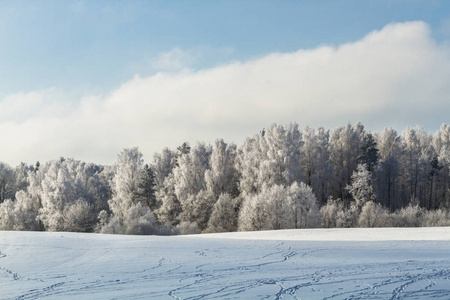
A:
20,214
262,211
279,207
79,216
125,185
361,187
282,164
7,182
441,145
410,164
222,177
58,184
345,148
315,161
270,159
129,215
162,166
387,186
224,216
170,207
56,191
190,185
306,210
248,165
21,174
189,175
197,208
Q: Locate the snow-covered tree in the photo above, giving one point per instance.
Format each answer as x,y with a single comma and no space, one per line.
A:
126,182
130,216
387,186
270,209
190,185
197,208
361,188
79,217
20,214
315,161
282,164
222,177
162,166
223,217
170,207
345,148
146,191
56,191
369,156
270,159
248,165
306,210
7,182
189,175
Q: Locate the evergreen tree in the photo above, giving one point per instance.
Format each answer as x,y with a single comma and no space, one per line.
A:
146,188
361,188
369,155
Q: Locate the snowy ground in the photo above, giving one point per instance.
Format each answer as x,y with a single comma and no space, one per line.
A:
290,264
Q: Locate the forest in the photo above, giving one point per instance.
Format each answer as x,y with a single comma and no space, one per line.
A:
283,177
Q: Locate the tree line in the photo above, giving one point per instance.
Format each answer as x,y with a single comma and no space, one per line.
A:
283,177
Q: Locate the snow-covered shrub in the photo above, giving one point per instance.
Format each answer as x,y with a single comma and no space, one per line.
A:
410,216
348,217
336,215
271,209
329,213
103,220
113,227
139,219
188,228
439,217
79,217
373,215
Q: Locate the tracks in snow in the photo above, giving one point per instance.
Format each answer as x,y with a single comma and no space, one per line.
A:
199,269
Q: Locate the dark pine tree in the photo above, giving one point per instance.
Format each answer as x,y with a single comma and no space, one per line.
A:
146,190
370,156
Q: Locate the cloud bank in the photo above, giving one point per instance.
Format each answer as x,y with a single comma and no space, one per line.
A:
397,76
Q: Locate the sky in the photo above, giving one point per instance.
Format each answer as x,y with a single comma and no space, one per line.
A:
85,79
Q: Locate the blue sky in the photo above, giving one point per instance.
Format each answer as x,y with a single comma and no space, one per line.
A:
93,46
62,61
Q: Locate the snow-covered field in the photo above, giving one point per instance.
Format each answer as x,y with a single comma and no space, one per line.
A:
290,264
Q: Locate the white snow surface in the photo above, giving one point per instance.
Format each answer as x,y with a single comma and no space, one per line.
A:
388,263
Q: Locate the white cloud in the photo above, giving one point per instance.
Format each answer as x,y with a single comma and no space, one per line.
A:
178,59
174,60
397,76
